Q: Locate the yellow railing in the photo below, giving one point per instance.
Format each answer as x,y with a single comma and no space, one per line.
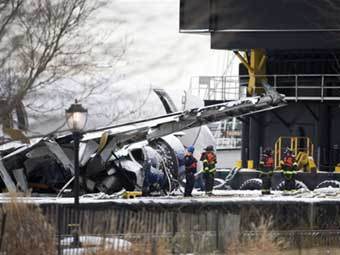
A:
296,143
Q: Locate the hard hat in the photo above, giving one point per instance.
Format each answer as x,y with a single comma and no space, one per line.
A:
268,151
191,149
209,148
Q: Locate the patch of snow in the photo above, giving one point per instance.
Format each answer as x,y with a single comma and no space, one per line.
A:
109,242
219,196
77,251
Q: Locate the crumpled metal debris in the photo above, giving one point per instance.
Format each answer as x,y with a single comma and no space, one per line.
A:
48,167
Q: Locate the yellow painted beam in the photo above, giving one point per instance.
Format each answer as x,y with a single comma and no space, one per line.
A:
262,62
256,67
243,60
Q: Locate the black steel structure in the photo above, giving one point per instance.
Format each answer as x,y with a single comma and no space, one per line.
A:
301,43
249,24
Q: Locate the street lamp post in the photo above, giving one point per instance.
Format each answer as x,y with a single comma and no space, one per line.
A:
76,117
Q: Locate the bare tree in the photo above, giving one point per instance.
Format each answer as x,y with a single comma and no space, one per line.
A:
42,45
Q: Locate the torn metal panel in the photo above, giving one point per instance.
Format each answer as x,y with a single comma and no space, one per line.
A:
60,154
32,163
23,148
46,173
167,102
6,178
39,151
9,147
14,145
94,166
90,148
136,168
111,184
89,184
107,151
21,179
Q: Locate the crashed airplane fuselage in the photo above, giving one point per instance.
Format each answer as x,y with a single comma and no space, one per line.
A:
145,155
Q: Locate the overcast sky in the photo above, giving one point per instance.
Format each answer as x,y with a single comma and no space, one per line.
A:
157,53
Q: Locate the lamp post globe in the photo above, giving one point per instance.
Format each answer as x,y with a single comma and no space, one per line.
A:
76,117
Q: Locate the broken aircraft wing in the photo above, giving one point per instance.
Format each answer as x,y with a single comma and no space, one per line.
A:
157,127
48,162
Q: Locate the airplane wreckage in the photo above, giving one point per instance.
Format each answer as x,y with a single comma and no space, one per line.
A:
143,155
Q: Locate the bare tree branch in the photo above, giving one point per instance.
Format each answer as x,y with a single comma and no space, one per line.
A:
47,46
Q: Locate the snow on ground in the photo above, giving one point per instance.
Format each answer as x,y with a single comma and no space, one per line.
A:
219,197
116,244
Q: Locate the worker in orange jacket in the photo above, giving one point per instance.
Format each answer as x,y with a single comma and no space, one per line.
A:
209,168
266,168
289,167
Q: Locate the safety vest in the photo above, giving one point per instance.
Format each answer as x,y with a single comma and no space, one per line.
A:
268,161
209,162
289,160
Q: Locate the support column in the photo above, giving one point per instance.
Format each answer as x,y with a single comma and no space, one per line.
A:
323,128
254,140
245,142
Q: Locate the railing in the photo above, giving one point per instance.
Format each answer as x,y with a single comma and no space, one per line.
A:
217,87
227,134
295,143
321,87
227,143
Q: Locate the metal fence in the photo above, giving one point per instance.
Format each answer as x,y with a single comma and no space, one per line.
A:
170,228
205,242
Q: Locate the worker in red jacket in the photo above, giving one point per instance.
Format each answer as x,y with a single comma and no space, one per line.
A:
190,163
266,168
209,168
289,167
